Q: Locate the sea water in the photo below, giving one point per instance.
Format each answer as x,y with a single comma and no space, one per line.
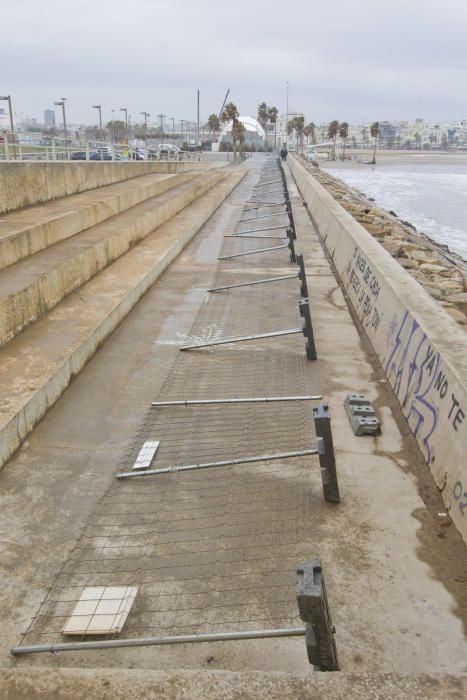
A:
431,197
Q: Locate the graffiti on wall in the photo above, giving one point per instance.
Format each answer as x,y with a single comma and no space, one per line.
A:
364,283
415,370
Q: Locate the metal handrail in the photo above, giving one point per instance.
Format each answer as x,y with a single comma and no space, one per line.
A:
20,145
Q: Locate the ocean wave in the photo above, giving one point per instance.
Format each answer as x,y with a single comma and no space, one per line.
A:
433,201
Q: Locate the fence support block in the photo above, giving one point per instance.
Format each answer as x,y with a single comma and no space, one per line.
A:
304,307
327,460
291,237
302,276
314,611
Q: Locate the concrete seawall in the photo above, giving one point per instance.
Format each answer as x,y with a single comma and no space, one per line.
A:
422,350
23,184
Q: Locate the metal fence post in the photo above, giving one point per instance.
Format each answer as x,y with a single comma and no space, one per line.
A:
327,460
291,237
292,222
314,611
304,306
302,275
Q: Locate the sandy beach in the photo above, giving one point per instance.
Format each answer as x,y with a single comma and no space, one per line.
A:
359,158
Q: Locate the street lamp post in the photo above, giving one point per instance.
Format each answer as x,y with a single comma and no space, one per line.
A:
61,103
173,128
125,109
10,109
99,107
161,117
146,115
183,122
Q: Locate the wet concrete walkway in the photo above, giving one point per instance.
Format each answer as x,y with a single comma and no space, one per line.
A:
395,568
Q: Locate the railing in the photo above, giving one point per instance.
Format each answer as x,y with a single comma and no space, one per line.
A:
27,146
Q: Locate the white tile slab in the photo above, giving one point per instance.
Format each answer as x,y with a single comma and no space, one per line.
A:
146,454
101,610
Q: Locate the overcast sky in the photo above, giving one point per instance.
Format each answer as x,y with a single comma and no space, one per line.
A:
352,60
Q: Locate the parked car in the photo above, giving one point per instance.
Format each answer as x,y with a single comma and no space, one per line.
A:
166,151
105,155
137,155
78,155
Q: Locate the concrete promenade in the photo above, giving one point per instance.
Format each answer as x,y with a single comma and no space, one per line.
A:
395,564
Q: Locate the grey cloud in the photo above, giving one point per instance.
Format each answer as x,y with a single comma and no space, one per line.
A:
344,59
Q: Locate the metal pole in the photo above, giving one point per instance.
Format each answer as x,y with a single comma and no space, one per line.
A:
146,115
210,402
197,126
125,109
263,206
223,104
158,641
64,126
12,126
249,235
214,465
255,230
251,252
243,338
247,284
279,189
161,117
264,183
264,216
260,201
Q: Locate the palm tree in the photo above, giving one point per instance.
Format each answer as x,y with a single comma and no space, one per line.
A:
263,114
238,134
310,130
272,115
299,125
418,139
365,135
333,129
214,123
230,114
312,126
343,133
374,131
117,130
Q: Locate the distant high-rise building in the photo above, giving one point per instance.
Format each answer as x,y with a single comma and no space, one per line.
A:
49,118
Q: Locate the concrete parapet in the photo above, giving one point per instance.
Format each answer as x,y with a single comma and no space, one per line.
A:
422,350
23,183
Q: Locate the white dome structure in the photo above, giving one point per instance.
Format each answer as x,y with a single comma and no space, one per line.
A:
254,132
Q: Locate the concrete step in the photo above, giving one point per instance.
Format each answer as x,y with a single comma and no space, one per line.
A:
33,286
29,230
37,366
25,183
212,684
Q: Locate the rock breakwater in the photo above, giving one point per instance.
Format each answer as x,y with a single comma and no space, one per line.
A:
440,272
